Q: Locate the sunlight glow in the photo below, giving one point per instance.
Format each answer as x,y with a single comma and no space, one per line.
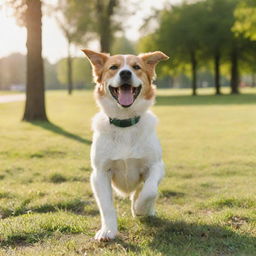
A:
13,37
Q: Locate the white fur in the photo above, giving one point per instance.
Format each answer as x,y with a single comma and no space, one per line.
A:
126,159
115,81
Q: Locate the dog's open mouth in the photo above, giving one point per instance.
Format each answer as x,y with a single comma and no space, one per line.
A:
125,94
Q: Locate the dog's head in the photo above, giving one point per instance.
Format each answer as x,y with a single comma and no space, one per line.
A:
124,82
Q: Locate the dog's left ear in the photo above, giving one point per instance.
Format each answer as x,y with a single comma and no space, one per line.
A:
151,59
97,61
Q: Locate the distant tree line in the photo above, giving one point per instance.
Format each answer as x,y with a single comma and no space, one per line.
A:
13,73
208,33
13,69
215,33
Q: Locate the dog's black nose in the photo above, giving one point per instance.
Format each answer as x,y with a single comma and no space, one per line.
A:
125,75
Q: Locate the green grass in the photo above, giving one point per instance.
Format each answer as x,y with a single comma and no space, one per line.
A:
206,204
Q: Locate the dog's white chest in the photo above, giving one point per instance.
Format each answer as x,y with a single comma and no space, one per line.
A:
126,146
136,142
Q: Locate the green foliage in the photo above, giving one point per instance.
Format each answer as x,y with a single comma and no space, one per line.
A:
246,19
75,20
197,34
81,72
79,23
179,31
51,80
122,45
206,203
147,43
216,27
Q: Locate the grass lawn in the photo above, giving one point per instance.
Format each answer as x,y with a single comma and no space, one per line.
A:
207,201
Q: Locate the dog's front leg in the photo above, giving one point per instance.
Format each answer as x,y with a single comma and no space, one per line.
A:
101,185
143,204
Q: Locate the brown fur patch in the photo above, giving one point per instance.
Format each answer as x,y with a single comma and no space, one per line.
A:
98,61
117,60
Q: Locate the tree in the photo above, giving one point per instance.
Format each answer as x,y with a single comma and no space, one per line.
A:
122,45
81,70
179,35
248,66
104,26
35,99
236,45
199,32
65,27
245,23
75,26
51,80
29,13
101,28
245,27
77,21
216,29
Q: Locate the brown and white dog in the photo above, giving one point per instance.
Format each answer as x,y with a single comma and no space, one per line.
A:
125,153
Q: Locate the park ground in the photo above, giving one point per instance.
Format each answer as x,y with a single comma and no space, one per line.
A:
206,202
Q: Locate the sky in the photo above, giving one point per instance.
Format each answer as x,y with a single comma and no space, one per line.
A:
13,37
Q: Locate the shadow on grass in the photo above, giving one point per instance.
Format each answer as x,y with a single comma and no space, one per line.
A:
179,100
59,130
159,236
76,206
181,238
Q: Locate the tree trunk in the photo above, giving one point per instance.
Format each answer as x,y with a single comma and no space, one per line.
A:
194,73
234,72
105,38
105,13
69,70
217,73
35,100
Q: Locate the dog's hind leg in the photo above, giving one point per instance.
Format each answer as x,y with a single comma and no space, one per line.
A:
143,201
101,185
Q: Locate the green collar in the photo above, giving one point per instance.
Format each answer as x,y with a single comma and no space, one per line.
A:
124,122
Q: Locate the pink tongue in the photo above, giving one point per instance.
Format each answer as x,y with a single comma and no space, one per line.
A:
125,97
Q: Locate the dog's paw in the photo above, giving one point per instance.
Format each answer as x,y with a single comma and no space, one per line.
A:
105,234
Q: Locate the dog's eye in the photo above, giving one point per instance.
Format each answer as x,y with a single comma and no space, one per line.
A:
113,67
136,67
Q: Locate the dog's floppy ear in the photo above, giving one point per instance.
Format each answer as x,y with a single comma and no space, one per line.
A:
97,61
151,59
